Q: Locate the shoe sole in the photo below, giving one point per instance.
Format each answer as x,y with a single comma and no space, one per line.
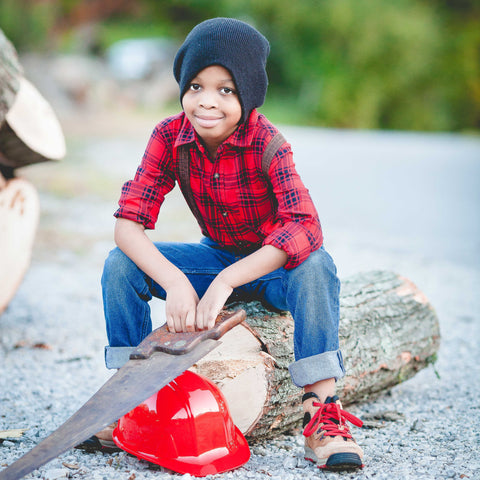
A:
94,444
339,462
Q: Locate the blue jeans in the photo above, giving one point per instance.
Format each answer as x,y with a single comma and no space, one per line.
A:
310,292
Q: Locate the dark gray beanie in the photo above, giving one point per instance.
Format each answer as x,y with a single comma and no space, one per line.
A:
233,44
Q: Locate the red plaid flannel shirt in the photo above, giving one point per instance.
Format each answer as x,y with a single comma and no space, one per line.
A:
242,210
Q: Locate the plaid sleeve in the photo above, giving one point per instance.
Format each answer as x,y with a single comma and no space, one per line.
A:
142,197
299,232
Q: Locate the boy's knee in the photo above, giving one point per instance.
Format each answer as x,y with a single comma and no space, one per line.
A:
318,264
117,265
316,274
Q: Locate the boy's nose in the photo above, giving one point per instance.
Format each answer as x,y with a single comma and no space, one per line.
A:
207,100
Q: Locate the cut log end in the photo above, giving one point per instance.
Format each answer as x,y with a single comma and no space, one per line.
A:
19,214
237,366
29,129
31,132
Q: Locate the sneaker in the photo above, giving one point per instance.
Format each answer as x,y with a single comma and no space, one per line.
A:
101,442
328,441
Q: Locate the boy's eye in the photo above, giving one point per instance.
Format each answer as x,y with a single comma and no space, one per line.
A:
227,91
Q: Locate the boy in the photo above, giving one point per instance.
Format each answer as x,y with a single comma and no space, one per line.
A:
262,236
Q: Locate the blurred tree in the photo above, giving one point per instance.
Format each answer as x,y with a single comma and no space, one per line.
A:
372,64
26,22
369,64
461,64
407,64
34,24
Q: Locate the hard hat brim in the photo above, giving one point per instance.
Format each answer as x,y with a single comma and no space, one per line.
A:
211,462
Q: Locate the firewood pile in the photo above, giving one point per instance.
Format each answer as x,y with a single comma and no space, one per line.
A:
29,133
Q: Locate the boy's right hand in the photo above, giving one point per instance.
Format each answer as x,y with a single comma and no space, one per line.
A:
181,307
181,300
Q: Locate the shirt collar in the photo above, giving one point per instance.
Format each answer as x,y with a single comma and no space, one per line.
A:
186,133
241,137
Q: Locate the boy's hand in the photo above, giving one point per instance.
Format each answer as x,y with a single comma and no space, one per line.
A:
212,303
180,308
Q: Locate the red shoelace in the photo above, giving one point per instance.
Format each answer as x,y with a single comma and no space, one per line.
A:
330,418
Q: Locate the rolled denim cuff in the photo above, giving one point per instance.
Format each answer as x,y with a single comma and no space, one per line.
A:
116,357
310,370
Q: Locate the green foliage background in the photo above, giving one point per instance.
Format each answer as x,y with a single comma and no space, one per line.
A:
396,64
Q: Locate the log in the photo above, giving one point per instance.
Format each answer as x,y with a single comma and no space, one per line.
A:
19,214
29,133
388,332
29,129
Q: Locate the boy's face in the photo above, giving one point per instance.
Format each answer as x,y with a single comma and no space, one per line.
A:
212,105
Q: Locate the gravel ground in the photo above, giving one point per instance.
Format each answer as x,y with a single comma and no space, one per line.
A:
52,334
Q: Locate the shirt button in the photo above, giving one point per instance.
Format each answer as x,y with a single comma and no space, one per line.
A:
224,214
216,175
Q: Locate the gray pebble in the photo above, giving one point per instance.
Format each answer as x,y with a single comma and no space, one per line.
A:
7,444
55,473
290,462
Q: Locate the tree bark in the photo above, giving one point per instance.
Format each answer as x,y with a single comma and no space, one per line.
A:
388,332
10,73
29,133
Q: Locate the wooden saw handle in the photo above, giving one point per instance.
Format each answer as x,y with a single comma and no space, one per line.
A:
161,340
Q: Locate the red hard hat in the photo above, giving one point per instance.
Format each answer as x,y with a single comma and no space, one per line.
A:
185,427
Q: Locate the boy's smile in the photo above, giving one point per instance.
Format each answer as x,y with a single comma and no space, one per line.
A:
208,121
211,104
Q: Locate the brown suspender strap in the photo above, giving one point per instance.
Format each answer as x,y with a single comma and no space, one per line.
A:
272,148
184,172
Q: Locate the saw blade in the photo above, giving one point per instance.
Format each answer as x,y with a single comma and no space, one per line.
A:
136,381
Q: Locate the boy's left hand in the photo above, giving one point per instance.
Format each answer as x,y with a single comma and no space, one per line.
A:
212,303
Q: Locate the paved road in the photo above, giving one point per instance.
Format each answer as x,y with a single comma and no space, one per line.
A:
420,191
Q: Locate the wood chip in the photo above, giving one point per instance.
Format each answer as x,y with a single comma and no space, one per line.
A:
15,433
42,346
36,345
379,419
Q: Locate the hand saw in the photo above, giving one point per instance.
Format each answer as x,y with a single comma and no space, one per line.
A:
160,358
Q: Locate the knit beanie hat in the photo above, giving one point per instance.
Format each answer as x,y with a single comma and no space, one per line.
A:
234,45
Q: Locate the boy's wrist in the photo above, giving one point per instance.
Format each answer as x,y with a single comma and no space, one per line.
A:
226,277
175,281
